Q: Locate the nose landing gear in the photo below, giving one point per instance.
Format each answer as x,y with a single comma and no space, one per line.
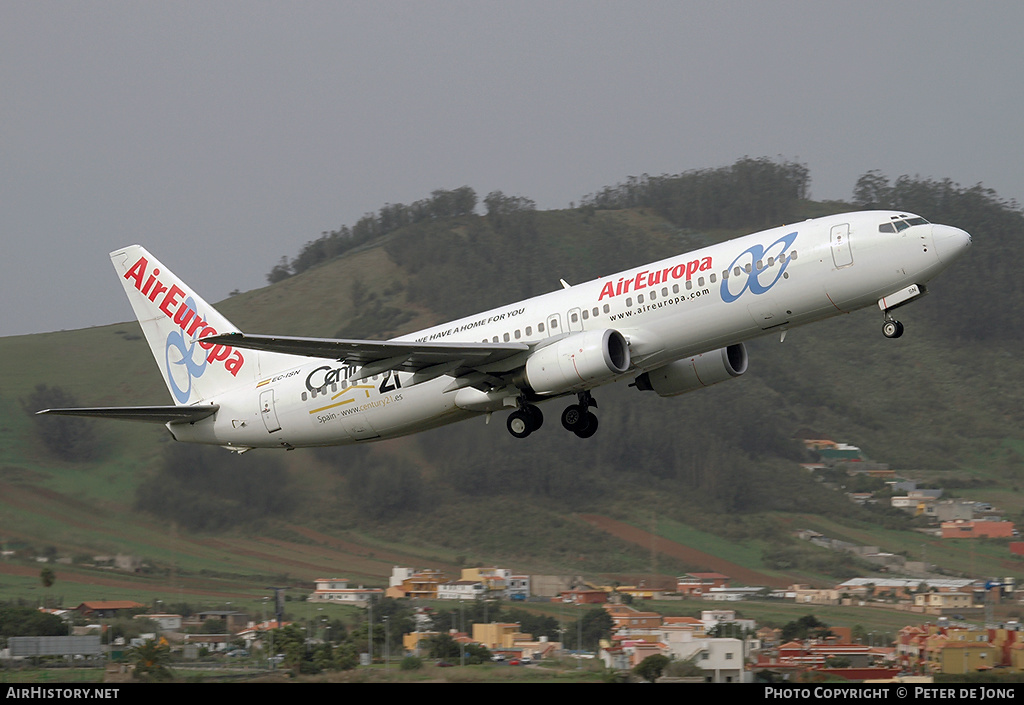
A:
891,328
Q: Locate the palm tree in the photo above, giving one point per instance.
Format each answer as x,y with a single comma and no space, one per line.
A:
151,660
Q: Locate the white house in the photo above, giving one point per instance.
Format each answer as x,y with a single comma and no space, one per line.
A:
166,622
460,590
337,590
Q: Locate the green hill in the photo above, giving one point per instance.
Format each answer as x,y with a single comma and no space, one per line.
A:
716,471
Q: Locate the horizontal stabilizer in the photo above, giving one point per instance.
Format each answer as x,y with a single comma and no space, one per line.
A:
152,414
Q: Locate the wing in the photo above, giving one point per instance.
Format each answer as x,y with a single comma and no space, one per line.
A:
152,414
472,364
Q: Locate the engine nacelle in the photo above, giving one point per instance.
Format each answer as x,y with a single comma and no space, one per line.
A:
695,372
578,362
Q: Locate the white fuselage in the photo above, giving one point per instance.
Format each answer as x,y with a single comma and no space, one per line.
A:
668,310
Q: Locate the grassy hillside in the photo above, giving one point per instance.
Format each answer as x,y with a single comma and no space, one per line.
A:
714,471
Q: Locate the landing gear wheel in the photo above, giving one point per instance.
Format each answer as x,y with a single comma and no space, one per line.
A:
590,428
536,416
574,417
892,328
578,418
518,423
524,420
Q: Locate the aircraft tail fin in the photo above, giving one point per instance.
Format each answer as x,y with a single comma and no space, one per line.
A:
174,320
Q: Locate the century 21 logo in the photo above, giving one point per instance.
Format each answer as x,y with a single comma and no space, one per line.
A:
758,254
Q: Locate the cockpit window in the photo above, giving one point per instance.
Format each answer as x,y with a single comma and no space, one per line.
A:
899,223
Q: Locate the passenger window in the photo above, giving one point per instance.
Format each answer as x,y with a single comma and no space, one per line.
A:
518,334
654,295
771,261
712,278
675,288
629,301
664,292
529,330
574,317
792,255
689,284
737,271
506,337
304,396
760,265
540,327
747,268
495,339
595,312
586,314
639,298
607,308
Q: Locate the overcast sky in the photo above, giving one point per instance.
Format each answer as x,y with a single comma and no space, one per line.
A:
223,135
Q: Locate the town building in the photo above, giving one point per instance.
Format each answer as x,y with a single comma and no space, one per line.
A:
461,590
944,602
696,584
336,590
106,609
411,583
165,622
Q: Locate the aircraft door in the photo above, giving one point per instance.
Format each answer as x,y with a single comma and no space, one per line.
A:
842,255
575,319
268,412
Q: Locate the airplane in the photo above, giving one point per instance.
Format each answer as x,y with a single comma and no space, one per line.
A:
669,327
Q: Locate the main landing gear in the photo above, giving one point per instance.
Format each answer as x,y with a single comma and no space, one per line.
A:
577,418
524,420
891,328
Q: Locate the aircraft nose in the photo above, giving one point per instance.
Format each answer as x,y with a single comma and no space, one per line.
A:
950,242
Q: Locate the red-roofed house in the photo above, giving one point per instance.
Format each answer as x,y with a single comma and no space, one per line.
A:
626,617
107,608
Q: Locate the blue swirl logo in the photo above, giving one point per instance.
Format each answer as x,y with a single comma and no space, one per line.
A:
758,254
185,359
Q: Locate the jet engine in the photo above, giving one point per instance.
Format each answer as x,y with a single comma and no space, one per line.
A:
695,372
577,362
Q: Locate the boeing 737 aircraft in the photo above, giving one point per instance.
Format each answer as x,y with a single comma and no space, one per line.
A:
668,327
